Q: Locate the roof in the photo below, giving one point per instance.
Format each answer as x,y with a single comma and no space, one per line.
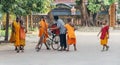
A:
63,12
65,2
63,9
63,5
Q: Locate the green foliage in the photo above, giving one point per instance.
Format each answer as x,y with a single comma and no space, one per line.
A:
78,2
28,6
111,1
118,11
39,6
0,15
96,5
19,7
25,7
0,7
2,32
6,5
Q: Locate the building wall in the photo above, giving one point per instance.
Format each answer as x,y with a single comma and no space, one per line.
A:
64,1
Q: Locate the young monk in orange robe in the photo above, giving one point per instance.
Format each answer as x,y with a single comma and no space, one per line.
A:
104,36
71,38
22,36
43,33
16,29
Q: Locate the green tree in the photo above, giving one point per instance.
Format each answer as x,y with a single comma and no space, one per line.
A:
81,5
27,7
37,6
6,7
118,11
23,8
93,7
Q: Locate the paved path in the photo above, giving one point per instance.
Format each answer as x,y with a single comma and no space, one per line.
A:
88,53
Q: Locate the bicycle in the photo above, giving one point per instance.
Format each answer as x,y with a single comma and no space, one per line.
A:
53,41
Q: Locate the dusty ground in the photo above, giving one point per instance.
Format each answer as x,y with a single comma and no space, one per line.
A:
88,52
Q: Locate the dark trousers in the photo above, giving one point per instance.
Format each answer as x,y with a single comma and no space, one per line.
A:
63,41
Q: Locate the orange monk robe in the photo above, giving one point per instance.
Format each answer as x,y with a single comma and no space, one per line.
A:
71,38
105,40
12,37
43,30
17,29
104,35
22,36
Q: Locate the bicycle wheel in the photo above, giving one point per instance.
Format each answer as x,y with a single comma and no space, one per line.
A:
56,43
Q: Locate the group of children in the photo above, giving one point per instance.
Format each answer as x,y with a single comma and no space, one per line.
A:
71,37
19,41
18,35
43,34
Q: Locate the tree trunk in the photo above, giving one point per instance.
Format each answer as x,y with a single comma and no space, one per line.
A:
7,27
84,13
112,15
27,23
31,21
51,18
96,19
91,19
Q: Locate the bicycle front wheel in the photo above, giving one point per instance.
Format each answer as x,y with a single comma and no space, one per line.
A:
56,43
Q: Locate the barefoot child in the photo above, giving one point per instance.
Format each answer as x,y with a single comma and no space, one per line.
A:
43,34
104,36
71,38
22,36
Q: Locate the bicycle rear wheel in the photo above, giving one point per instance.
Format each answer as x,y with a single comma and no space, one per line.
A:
56,43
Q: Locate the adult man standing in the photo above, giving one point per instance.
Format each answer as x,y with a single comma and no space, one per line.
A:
60,26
